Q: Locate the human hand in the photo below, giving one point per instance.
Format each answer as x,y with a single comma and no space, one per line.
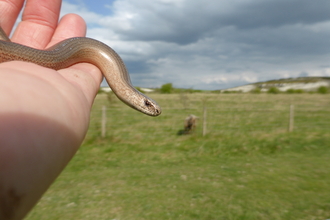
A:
44,113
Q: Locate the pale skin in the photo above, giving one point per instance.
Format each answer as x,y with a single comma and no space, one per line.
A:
44,113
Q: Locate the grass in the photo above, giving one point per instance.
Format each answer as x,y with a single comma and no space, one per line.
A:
247,166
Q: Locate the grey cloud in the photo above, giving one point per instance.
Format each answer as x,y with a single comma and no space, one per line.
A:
288,41
209,44
195,19
137,66
303,74
259,13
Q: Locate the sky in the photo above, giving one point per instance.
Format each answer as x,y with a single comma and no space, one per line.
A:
211,44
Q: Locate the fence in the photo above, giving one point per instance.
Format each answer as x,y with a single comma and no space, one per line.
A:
212,120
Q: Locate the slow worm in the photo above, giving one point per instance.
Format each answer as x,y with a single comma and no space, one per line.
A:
79,50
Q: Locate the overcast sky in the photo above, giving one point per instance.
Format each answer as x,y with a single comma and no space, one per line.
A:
212,44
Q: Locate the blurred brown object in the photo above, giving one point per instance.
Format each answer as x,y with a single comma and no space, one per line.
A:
190,124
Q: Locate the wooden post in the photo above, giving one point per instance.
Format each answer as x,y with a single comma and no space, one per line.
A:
204,121
104,121
291,120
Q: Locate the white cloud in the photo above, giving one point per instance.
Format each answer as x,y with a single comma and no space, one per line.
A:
90,17
214,44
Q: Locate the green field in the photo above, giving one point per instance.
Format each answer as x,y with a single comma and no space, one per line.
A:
247,166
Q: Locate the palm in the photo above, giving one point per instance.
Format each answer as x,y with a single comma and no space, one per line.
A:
44,113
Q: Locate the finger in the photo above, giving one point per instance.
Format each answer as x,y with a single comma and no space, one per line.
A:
9,11
71,25
38,24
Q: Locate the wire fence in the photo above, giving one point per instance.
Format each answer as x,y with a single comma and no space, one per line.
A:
212,120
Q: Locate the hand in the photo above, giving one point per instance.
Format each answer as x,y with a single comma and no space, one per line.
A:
44,113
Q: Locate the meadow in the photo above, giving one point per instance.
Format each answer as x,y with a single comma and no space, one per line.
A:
247,166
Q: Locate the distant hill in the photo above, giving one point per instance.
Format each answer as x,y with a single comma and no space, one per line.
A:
301,83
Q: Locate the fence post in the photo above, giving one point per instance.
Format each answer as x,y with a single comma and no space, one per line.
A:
291,120
104,121
204,121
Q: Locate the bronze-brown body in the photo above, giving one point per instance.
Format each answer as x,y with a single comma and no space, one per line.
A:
79,50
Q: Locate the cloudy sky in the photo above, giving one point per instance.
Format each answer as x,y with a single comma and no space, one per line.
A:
211,44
